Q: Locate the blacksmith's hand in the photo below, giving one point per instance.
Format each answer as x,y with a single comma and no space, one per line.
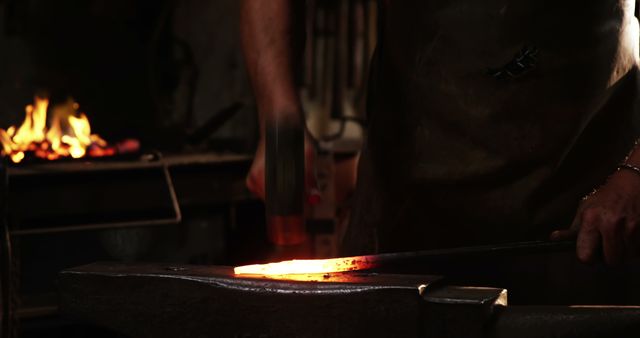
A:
607,222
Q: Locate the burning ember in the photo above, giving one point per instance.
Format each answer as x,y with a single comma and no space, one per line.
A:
308,266
68,134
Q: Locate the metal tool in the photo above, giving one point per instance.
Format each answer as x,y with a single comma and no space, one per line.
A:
284,183
154,300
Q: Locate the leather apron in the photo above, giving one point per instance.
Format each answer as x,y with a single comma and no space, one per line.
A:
489,120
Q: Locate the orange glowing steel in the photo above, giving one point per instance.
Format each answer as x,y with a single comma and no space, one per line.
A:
308,266
68,135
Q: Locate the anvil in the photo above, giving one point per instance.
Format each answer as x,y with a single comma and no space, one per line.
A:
156,300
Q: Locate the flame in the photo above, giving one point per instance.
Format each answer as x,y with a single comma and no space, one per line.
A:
69,134
300,267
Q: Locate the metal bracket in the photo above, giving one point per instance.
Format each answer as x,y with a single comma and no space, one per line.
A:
7,304
120,224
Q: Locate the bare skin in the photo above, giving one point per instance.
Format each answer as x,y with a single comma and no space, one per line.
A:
273,39
607,223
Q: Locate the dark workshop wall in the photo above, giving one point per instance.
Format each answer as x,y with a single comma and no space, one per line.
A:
154,70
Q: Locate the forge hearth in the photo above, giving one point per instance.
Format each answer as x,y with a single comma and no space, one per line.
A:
70,196
138,191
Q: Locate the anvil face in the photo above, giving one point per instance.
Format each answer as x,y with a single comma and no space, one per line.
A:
165,301
206,301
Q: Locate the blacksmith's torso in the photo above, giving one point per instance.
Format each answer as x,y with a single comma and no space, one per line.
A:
489,120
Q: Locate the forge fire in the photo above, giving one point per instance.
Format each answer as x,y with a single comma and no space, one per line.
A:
65,133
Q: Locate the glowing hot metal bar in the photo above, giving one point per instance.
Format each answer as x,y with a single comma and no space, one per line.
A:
322,266
309,266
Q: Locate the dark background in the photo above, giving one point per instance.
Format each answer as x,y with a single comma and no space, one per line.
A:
152,70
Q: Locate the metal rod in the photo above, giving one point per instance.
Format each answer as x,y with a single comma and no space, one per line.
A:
6,273
382,262
214,123
532,247
518,248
